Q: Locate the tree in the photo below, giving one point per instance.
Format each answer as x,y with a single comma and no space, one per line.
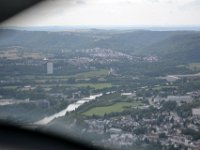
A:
162,135
169,106
71,80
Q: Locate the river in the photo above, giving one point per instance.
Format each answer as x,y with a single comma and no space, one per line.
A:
69,108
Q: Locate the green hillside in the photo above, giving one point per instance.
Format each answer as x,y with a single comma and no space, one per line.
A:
173,45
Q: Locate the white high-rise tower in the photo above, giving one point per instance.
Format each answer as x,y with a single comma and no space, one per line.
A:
49,68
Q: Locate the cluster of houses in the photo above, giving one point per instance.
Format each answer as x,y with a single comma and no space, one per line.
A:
106,56
120,131
126,130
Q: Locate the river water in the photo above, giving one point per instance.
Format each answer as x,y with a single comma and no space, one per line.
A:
69,108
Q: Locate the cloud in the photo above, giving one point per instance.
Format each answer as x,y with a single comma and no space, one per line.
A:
80,2
111,12
190,5
155,1
195,2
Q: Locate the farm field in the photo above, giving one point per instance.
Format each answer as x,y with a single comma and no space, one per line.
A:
117,107
90,74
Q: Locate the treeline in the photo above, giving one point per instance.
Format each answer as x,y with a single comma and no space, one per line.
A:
160,68
18,94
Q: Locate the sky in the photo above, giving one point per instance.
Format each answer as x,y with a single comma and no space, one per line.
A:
110,13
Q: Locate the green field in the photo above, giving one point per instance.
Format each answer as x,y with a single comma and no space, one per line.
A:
194,66
164,87
96,85
91,85
83,75
117,107
90,74
9,87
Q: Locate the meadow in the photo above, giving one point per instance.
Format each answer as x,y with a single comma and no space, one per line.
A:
116,107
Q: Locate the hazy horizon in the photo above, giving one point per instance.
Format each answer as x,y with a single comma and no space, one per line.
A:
110,13
103,27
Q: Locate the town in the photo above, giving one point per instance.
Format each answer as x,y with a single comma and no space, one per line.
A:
116,98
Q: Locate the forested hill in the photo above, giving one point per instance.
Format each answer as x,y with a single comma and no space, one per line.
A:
43,39
183,45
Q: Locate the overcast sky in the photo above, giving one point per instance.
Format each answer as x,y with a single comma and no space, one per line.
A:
110,12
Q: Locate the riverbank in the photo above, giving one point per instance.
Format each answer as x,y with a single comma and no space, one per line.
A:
69,108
